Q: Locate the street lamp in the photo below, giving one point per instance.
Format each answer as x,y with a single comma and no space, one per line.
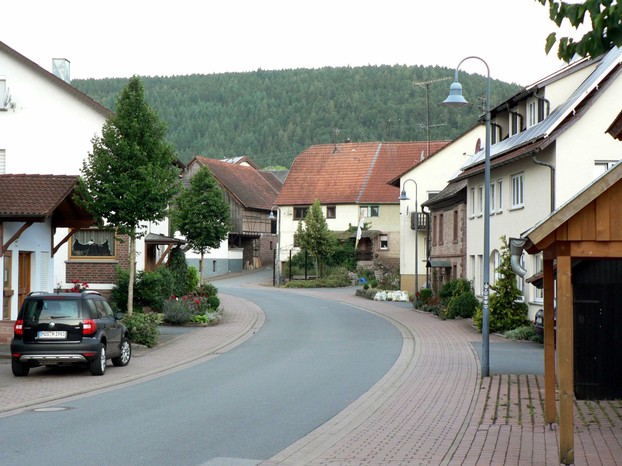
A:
455,99
277,262
404,197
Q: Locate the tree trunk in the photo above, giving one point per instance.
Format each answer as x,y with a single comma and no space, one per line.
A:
130,285
201,269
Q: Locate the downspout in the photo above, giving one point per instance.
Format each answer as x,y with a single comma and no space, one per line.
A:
546,101
552,168
496,126
516,251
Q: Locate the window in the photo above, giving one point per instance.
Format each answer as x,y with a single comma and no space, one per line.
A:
440,229
538,293
518,187
520,281
300,212
601,166
331,211
369,211
514,127
2,162
384,242
541,110
499,191
492,198
532,114
93,243
434,229
472,199
456,226
496,263
480,200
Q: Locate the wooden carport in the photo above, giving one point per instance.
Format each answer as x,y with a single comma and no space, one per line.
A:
588,227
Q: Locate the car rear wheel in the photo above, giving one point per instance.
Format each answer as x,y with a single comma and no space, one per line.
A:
98,365
20,369
126,354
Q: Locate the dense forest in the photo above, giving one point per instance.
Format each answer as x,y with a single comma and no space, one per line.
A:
272,116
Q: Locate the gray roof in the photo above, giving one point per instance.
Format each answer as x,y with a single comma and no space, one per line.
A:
557,116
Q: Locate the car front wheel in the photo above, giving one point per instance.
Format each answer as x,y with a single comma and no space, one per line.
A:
19,369
98,365
126,354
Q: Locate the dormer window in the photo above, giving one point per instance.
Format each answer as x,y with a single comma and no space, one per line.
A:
516,122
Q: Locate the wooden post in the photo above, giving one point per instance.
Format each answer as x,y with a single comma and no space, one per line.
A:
565,362
549,343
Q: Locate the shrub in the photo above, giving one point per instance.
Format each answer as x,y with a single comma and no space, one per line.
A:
462,305
143,328
178,311
207,289
333,281
373,283
366,286
525,332
424,297
153,288
453,288
213,302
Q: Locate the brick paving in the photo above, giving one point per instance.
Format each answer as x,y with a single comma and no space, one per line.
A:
432,407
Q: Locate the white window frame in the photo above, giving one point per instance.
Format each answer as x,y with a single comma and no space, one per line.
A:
601,166
520,281
496,263
518,190
480,200
538,293
492,198
384,242
532,113
499,208
472,202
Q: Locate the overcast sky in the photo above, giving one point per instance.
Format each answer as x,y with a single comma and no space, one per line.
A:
121,38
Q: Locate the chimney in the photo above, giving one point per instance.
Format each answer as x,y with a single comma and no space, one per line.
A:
60,69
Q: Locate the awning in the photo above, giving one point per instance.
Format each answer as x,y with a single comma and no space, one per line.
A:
438,263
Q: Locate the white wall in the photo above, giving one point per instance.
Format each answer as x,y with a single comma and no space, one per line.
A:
430,176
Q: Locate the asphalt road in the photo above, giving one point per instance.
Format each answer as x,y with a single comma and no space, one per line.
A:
309,361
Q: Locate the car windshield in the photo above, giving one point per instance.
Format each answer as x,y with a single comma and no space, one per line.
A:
50,309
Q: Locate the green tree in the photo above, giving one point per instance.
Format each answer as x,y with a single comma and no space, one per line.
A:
314,236
507,312
129,176
606,22
202,214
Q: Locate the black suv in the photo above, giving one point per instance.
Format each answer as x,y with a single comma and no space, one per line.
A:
54,329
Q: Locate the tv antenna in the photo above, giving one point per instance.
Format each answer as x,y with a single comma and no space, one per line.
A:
426,85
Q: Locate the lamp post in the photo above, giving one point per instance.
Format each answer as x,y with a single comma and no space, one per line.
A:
455,99
404,197
277,262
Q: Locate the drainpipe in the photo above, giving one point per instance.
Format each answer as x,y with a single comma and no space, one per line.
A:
496,126
546,101
516,251
552,184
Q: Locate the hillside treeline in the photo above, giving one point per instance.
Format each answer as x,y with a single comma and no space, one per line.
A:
272,116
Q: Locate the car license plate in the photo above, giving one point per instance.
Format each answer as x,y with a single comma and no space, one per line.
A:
52,335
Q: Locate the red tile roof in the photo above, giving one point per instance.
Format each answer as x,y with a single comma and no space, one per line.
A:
37,197
245,183
351,173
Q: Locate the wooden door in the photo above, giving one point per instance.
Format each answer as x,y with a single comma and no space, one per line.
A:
23,285
7,288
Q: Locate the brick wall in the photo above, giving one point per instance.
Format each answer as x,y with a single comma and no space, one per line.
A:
6,331
100,271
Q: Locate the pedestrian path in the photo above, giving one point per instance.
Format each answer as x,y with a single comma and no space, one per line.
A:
434,408
431,408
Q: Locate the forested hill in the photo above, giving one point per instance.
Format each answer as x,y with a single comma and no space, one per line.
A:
272,116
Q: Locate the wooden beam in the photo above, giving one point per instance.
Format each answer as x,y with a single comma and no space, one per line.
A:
14,238
62,241
596,249
565,362
550,415
164,255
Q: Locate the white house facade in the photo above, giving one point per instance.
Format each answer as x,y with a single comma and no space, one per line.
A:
552,142
421,183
